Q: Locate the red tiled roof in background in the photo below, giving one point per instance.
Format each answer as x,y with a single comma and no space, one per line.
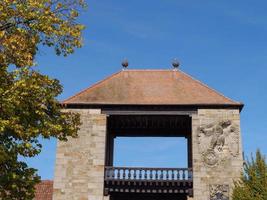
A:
150,87
44,190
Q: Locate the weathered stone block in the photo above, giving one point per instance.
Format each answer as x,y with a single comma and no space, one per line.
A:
79,172
217,151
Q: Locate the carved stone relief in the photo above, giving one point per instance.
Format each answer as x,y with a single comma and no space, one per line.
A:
219,192
217,141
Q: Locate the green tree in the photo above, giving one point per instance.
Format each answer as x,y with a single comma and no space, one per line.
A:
253,183
29,109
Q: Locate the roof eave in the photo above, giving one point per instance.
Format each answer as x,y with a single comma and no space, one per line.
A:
101,105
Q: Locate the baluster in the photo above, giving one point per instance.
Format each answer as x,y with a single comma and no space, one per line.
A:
173,174
137,172
184,174
116,173
148,174
181,174
127,174
132,174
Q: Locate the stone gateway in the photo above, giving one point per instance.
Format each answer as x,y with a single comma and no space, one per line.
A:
150,103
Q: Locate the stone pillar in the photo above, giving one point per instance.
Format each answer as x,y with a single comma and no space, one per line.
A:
217,153
79,171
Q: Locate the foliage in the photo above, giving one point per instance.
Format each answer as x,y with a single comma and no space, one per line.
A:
26,23
29,109
253,183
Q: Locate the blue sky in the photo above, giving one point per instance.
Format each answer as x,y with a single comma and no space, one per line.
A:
222,43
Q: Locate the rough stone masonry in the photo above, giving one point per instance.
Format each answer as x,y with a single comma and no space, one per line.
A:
217,156
79,173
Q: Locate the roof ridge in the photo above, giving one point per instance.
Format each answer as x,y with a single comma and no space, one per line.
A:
205,85
165,70
90,87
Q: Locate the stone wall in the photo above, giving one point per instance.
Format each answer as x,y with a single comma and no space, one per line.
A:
79,172
217,152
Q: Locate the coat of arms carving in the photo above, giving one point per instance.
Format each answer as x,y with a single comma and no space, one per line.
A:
219,192
218,140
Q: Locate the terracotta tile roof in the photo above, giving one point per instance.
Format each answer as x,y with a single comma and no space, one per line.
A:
44,190
150,87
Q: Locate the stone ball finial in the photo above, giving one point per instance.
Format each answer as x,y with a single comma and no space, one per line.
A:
125,63
175,63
